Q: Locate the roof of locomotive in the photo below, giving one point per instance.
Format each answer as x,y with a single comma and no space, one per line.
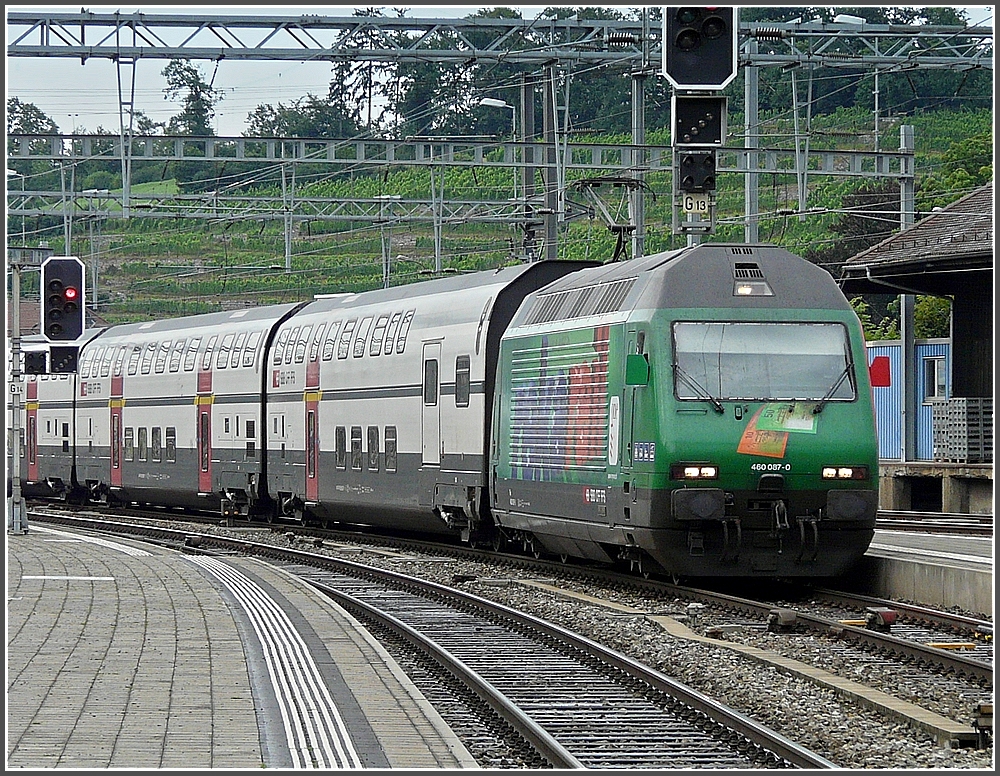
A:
705,275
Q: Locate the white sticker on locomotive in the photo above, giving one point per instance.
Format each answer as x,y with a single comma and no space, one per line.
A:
614,421
595,496
645,451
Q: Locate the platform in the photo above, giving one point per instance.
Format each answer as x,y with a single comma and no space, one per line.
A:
126,655
932,569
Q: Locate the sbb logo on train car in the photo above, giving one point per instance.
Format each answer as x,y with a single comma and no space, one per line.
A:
280,377
90,389
595,496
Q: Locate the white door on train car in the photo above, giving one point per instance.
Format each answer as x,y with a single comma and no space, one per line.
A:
430,418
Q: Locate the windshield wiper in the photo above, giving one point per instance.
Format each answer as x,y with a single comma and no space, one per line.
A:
833,389
702,392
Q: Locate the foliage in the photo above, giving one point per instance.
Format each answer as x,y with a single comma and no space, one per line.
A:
931,317
198,99
308,116
175,266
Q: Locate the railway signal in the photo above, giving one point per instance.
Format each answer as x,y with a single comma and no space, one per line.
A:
699,47
62,291
64,359
696,171
35,362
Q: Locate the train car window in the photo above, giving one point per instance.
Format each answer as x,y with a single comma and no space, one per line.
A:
373,448
119,360
251,429
250,353
206,361
155,444
390,333
222,360
175,356
300,346
463,382
171,444
361,339
147,357
404,328
330,344
142,443
225,425
161,356
356,454
85,362
378,334
279,347
96,365
430,382
133,359
237,350
192,354
129,443
341,447
109,355
65,434
314,345
390,448
290,345
345,338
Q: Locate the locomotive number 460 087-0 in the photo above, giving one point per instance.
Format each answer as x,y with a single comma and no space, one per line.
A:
771,467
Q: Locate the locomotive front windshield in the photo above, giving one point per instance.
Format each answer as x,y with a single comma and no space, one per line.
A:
717,361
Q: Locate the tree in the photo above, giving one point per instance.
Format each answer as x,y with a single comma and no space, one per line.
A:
966,165
309,116
199,99
25,118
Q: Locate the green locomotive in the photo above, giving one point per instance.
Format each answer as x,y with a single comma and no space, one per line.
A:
702,412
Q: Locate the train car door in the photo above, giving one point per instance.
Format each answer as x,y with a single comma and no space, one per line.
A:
312,397
203,404
31,408
116,402
430,418
627,441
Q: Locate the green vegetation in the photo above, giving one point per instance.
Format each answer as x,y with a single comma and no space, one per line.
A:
146,267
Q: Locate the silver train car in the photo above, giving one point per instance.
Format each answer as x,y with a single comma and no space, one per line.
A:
365,408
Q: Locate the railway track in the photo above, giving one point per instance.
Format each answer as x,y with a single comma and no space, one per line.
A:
578,704
931,684
917,646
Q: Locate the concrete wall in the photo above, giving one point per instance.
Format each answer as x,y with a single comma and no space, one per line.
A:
933,585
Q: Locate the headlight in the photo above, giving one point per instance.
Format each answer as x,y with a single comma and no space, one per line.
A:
694,471
845,473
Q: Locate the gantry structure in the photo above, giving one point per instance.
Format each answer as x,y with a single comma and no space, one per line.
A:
548,48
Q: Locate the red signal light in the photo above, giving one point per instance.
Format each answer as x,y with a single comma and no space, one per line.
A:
70,294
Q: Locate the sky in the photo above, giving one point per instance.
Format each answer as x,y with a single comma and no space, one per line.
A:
85,96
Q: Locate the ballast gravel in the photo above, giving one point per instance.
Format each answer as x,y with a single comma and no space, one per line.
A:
841,730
